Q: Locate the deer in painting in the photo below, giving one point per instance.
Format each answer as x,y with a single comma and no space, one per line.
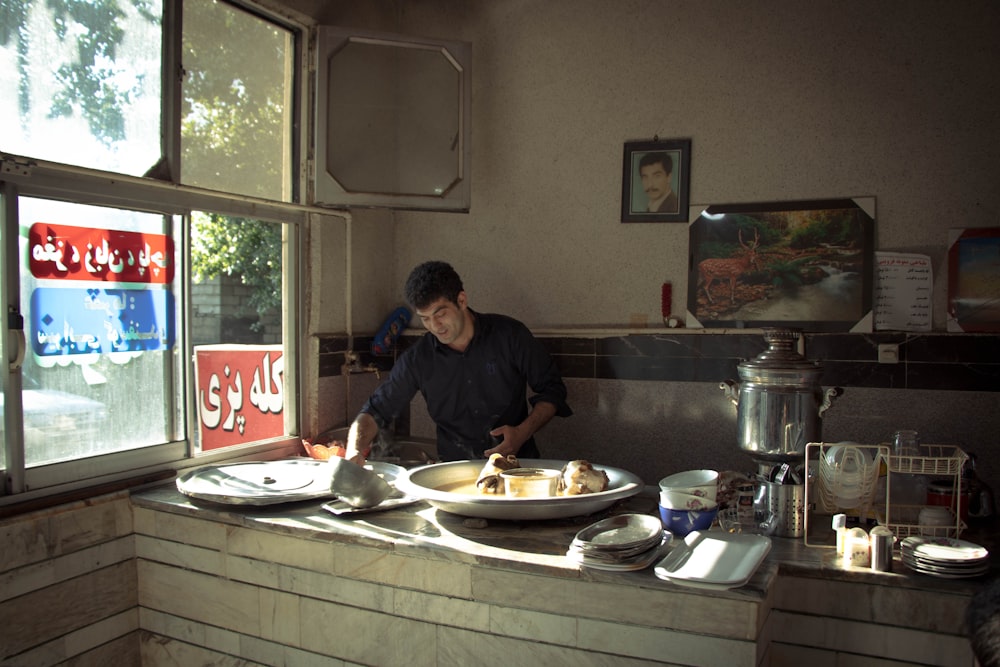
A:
717,268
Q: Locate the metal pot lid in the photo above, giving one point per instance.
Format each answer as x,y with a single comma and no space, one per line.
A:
258,482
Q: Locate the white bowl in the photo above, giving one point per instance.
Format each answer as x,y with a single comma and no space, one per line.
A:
703,483
677,500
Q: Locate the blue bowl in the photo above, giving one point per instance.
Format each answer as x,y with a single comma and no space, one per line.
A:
682,522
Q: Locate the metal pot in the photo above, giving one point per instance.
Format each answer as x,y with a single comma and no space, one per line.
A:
779,402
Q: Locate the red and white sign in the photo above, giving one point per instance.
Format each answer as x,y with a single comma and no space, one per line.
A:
108,255
240,393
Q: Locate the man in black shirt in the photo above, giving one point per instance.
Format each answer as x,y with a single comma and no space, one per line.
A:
473,370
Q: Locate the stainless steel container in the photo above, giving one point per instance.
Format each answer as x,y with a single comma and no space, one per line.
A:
779,401
786,504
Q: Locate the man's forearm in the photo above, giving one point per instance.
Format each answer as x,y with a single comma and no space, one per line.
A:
360,437
540,415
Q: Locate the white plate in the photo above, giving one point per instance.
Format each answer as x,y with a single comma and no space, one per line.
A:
620,532
943,549
981,568
715,560
954,568
640,562
946,574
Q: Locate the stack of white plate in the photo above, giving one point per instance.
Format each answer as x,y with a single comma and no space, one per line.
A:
945,557
620,543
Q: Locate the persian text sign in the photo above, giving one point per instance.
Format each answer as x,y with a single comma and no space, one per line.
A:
240,393
84,253
73,321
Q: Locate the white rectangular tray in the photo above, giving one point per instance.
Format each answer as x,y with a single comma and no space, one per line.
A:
714,560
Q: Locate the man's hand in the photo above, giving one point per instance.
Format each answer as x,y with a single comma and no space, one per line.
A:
515,436
510,438
360,437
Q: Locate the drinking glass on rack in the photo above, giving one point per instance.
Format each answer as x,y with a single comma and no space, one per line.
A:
906,443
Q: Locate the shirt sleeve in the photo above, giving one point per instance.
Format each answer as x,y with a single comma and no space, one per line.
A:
391,397
542,373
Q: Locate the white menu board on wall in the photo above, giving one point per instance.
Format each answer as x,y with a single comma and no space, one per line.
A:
903,284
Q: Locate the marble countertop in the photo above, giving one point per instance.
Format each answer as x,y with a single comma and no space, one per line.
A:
539,546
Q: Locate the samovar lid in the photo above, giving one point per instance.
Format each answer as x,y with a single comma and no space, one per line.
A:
780,355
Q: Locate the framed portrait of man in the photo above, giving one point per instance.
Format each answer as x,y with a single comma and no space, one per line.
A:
656,181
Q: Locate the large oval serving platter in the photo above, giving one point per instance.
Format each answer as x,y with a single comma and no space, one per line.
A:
426,483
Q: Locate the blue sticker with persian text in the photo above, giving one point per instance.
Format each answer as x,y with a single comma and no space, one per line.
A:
71,321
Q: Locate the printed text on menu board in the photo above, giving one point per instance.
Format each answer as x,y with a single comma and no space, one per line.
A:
84,253
903,292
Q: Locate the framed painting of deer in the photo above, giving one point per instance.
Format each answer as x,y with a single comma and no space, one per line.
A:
807,265
656,181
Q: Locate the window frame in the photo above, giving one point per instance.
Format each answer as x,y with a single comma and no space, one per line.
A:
22,176
55,181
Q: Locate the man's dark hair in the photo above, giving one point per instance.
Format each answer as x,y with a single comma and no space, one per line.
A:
429,282
649,159
982,621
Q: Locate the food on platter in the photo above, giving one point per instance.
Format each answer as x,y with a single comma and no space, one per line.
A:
576,477
580,477
489,480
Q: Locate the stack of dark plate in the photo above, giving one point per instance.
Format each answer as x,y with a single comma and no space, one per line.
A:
944,557
620,543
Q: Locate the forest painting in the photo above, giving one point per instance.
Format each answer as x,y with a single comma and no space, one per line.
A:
795,264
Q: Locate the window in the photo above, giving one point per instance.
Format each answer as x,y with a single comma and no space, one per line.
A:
237,102
100,296
81,82
116,286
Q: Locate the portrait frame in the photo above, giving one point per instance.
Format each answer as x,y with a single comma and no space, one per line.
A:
635,201
812,268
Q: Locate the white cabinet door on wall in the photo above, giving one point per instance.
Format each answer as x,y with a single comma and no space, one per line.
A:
392,121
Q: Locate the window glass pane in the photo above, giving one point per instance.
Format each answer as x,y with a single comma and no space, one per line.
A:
236,102
99,289
81,82
236,328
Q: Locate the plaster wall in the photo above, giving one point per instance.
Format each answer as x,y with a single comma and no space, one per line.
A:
782,101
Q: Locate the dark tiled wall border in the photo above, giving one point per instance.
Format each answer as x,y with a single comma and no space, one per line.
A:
957,362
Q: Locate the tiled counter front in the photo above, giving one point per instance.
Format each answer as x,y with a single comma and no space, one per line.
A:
300,587
416,586
818,622
157,580
68,585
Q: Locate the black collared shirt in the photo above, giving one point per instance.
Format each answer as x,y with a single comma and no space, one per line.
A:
470,393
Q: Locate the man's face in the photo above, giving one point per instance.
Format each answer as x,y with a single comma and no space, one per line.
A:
444,319
655,181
